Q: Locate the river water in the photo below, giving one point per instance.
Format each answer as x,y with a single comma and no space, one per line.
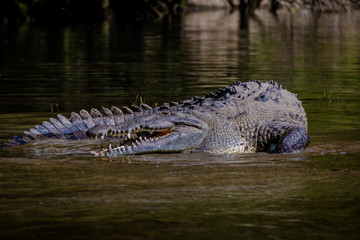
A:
56,190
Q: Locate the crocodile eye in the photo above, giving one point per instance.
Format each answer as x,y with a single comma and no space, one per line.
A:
165,113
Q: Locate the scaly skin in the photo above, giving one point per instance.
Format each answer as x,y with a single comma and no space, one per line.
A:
242,118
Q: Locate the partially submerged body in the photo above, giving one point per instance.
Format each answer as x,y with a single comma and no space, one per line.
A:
241,118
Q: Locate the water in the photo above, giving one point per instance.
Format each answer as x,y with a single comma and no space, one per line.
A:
55,190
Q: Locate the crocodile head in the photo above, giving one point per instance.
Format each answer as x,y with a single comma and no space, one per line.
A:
155,134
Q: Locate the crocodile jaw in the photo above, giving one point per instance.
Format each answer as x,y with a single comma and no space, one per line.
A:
166,134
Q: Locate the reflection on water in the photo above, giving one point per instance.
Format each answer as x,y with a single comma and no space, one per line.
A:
55,190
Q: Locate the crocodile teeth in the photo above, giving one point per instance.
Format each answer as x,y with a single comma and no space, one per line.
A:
129,135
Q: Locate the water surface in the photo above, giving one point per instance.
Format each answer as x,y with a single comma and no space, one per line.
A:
55,190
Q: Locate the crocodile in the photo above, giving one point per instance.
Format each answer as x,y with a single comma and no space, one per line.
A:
244,117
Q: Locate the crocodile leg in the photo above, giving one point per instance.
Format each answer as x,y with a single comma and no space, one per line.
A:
282,137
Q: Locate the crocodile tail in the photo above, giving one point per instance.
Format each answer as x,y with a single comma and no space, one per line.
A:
76,126
73,128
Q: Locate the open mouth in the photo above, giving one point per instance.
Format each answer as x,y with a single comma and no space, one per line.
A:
131,139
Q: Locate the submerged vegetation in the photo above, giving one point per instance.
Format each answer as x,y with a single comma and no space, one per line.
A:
83,10
97,10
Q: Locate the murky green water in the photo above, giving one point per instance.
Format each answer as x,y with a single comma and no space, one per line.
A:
55,190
